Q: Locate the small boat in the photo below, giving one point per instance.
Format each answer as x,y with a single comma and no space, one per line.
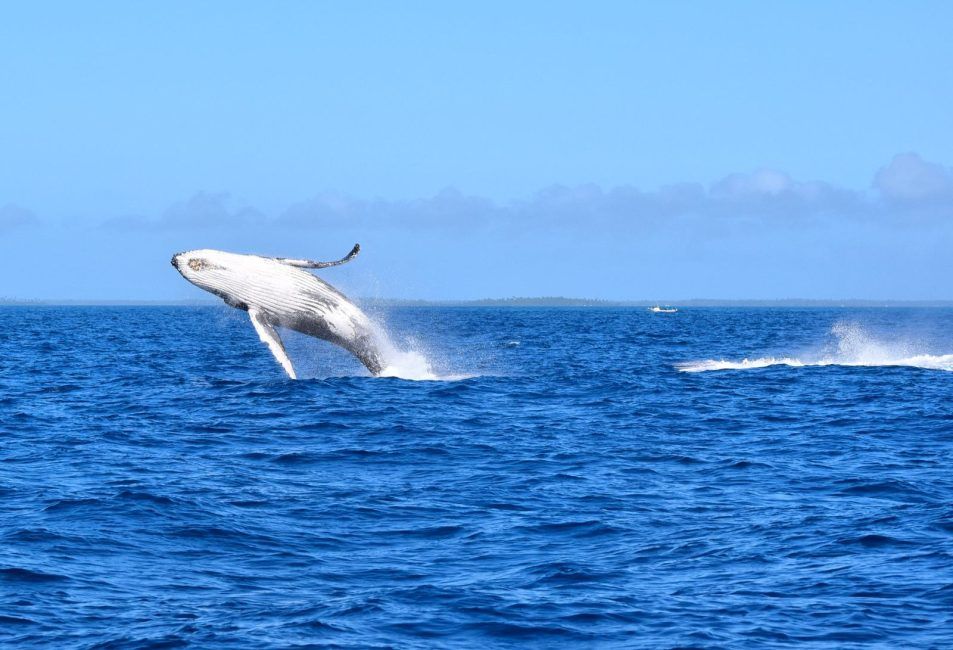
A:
663,310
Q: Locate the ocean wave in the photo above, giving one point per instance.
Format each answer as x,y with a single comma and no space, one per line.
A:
216,504
854,347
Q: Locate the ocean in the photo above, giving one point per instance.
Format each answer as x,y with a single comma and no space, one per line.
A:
564,477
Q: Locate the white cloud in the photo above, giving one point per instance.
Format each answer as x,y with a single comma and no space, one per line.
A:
910,179
770,193
764,182
13,216
447,209
203,210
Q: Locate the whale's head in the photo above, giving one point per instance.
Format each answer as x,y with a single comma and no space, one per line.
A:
205,268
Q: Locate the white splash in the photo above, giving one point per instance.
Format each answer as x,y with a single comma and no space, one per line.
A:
410,363
407,364
855,347
744,364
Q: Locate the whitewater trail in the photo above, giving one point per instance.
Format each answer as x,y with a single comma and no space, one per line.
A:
855,347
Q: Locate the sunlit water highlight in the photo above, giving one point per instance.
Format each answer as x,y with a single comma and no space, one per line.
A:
164,485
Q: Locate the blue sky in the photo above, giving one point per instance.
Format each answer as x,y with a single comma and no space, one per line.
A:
615,150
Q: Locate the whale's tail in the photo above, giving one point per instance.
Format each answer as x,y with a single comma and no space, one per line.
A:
311,264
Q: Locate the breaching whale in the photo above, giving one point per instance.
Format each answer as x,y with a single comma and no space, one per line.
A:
277,292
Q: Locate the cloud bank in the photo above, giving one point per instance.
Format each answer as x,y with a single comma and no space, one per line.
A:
13,217
908,189
203,210
912,186
763,234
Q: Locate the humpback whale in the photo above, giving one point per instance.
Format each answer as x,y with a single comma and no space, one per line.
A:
278,292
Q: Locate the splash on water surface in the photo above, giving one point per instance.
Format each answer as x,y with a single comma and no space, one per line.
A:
854,346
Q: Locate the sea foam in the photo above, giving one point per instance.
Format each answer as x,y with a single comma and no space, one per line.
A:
854,346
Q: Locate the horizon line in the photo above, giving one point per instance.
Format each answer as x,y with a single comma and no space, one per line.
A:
517,301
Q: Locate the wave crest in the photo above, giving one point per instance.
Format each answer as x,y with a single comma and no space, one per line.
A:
854,347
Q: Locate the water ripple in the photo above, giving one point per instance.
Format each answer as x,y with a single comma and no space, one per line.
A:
163,485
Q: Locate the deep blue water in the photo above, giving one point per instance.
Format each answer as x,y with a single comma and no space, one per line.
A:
162,484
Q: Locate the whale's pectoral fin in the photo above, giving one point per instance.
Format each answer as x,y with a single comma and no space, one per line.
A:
309,264
268,335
